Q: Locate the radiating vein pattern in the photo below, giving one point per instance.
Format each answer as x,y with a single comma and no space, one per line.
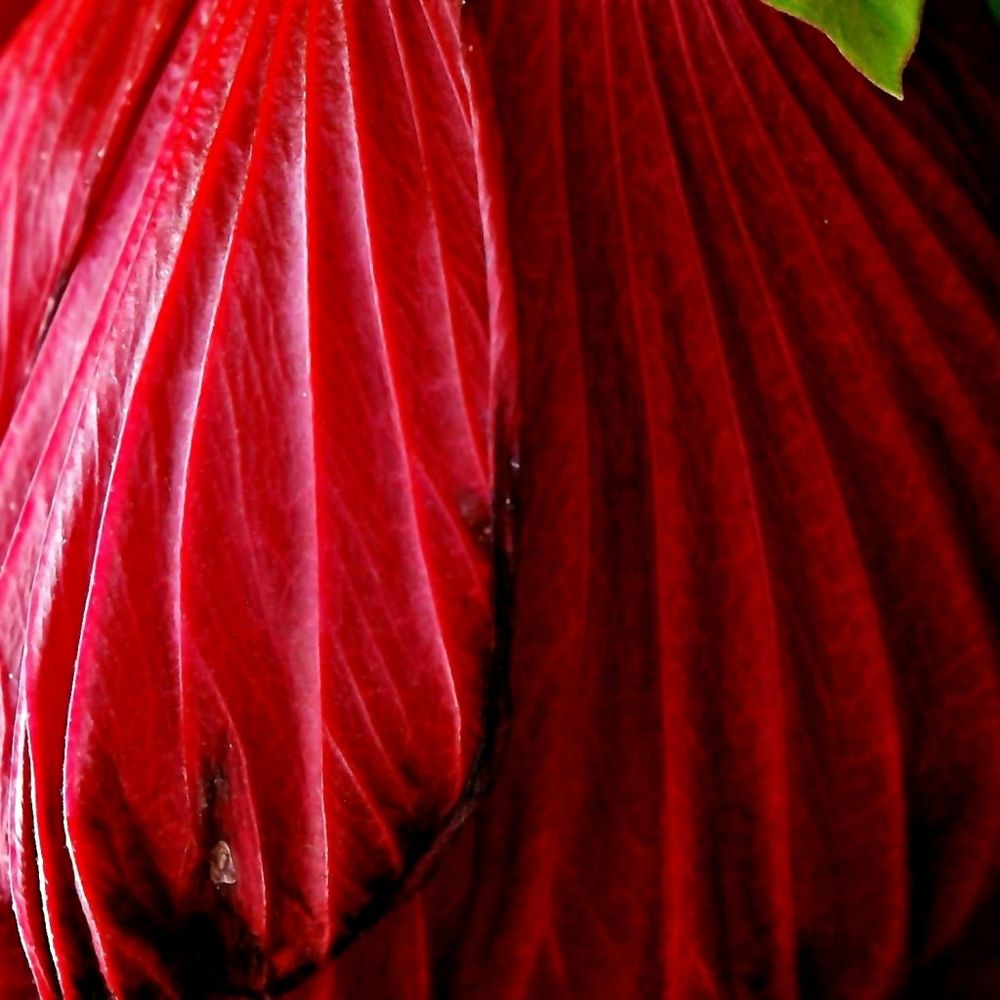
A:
756,676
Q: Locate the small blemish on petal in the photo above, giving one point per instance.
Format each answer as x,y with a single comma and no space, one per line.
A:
477,516
221,866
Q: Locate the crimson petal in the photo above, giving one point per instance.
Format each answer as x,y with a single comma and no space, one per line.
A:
248,593
69,90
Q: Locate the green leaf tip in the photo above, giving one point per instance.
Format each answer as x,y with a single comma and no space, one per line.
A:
876,36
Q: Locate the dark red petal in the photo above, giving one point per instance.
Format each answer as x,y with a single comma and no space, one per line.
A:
755,685
12,14
250,586
15,977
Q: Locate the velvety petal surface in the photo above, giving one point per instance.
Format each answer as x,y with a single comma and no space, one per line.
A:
248,598
754,747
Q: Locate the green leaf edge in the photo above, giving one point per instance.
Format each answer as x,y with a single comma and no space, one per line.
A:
879,48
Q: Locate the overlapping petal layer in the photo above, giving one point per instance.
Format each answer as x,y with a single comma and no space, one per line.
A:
755,680
69,93
247,593
754,744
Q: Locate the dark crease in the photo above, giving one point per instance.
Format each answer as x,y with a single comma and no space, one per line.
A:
422,847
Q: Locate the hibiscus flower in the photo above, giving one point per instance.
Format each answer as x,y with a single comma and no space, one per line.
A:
498,499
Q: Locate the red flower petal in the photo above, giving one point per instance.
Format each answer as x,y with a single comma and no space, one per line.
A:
249,589
69,92
755,681
753,749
